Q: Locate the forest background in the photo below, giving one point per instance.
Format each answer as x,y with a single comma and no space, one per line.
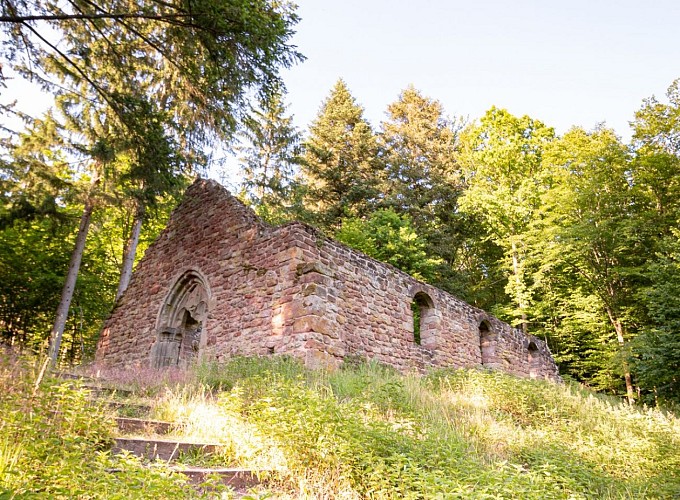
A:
572,237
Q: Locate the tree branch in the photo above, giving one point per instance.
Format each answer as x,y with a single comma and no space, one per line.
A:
80,17
82,73
145,39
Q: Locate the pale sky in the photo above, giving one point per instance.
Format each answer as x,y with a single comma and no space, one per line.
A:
575,62
566,63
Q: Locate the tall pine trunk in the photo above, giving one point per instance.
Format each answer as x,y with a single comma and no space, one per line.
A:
131,249
71,276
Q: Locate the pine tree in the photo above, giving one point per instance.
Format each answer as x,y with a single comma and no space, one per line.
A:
270,148
419,145
340,164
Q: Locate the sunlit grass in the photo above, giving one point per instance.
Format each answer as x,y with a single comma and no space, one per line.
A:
369,431
366,431
55,441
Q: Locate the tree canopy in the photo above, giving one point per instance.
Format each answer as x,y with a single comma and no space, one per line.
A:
572,237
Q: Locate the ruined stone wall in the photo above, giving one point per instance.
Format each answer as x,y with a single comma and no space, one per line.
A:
290,290
352,304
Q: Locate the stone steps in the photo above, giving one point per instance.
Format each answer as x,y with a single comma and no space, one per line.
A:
149,440
70,376
98,387
129,425
170,449
163,449
98,390
237,478
119,406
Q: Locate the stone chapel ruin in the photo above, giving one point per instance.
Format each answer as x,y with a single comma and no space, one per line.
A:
218,282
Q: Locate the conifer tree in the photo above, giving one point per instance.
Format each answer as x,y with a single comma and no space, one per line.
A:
340,164
270,147
419,145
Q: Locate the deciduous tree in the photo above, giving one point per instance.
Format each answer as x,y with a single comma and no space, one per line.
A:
502,163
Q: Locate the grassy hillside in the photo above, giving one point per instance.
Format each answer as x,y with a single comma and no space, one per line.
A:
361,432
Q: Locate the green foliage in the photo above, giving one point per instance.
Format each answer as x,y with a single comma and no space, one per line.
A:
419,146
339,164
34,256
270,149
367,431
175,51
584,255
505,177
54,444
33,260
390,238
657,350
34,173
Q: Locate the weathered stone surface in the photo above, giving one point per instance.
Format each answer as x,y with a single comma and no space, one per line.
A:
219,282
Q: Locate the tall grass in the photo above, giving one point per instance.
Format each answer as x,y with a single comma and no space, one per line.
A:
364,431
368,432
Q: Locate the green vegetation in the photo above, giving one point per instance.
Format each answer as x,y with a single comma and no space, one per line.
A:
54,443
366,431
573,237
468,434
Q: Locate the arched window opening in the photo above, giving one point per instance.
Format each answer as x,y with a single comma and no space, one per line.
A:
533,360
181,322
422,308
487,344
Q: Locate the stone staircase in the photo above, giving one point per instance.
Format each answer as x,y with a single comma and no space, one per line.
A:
153,440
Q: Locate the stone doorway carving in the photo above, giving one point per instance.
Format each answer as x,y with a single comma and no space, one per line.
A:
181,322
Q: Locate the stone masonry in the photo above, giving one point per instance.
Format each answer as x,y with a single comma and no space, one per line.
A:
219,282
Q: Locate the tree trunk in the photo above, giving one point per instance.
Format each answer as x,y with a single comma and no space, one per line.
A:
130,250
620,337
518,284
71,277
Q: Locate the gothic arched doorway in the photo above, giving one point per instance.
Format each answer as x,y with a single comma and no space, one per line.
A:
181,322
